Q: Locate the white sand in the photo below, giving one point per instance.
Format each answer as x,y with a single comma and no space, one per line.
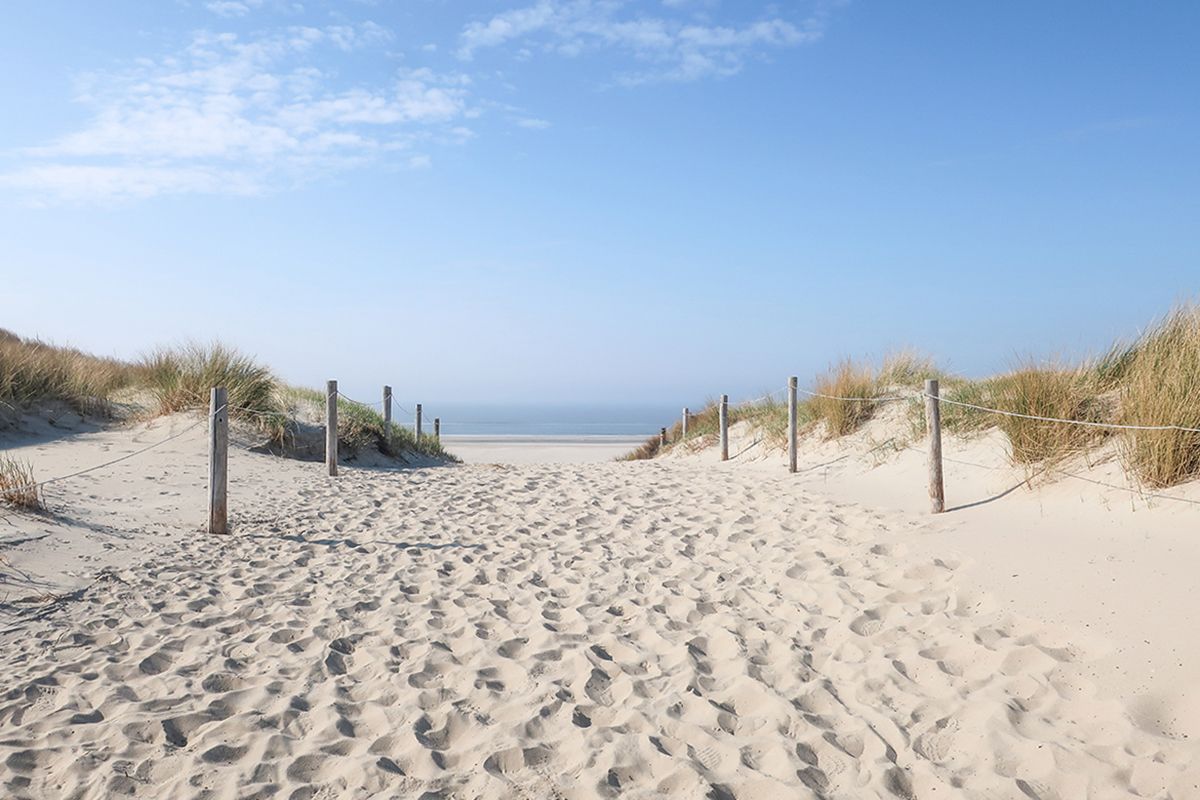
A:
675,628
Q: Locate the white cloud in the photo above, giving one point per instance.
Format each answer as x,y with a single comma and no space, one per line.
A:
232,8
533,123
240,116
672,48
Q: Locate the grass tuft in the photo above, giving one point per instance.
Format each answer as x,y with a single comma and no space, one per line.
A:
1160,386
852,391
361,428
181,378
1069,394
16,485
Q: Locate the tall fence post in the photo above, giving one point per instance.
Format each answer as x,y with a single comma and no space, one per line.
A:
331,430
723,418
387,411
662,438
683,432
437,429
418,425
218,461
792,424
933,424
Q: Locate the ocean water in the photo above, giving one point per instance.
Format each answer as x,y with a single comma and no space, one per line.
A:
550,420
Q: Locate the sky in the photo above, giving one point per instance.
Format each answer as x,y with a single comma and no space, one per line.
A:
601,201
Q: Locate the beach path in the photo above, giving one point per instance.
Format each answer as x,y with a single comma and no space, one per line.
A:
565,631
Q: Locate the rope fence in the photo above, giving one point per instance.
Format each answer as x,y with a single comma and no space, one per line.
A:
217,419
933,400
34,486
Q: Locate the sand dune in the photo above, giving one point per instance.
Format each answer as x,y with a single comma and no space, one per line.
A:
675,628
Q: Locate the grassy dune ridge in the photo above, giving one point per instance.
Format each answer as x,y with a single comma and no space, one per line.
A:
168,380
1154,380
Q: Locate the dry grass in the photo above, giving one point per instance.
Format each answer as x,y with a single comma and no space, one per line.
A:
647,450
181,378
32,371
361,428
16,485
1061,393
906,369
1161,385
852,391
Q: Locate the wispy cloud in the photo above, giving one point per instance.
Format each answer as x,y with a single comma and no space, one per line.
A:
667,48
232,8
242,116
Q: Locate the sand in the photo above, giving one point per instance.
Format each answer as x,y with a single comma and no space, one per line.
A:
678,628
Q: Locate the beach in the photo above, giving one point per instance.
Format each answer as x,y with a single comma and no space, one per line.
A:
677,627
526,449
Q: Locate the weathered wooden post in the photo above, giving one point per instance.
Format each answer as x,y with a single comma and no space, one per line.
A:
437,429
683,432
792,424
218,460
933,424
418,425
662,438
331,432
387,412
723,419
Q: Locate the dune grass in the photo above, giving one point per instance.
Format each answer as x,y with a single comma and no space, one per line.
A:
855,391
361,427
181,378
32,371
16,485
851,390
1057,392
1160,385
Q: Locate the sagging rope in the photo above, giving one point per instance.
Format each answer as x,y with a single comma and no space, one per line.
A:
127,456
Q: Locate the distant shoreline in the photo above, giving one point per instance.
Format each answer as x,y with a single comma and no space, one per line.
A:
532,448
544,439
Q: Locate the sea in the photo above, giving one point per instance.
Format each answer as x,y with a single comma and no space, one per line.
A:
527,433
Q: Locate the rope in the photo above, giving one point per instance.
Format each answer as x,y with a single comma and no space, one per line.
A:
1111,425
1129,489
118,460
1063,472
359,402
767,396
881,399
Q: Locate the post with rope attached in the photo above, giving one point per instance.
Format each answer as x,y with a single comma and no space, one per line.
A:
662,438
933,424
331,426
684,426
437,429
792,424
218,461
723,419
387,412
418,425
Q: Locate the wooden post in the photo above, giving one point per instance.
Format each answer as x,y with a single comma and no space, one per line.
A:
218,461
683,432
933,424
723,417
331,432
437,429
792,424
387,412
662,438
418,426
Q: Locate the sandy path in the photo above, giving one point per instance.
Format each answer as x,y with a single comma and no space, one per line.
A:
611,630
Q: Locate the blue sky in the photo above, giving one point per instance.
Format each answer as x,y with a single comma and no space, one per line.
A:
594,199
